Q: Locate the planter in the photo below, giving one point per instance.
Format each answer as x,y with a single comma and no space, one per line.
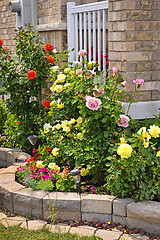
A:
16,198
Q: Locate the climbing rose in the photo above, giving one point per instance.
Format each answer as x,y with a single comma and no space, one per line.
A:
1,42
154,131
139,81
79,71
123,121
114,69
124,150
93,103
48,47
50,59
31,74
82,52
98,92
46,104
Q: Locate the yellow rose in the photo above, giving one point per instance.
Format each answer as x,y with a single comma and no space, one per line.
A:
154,131
39,164
66,129
141,130
124,150
58,88
55,151
158,154
58,126
51,166
67,70
84,172
61,77
80,136
72,121
146,144
122,140
146,136
64,123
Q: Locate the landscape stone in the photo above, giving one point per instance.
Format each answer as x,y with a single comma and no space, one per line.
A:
12,221
148,211
36,224
100,217
108,235
119,219
24,225
119,206
138,236
83,231
2,215
58,228
92,203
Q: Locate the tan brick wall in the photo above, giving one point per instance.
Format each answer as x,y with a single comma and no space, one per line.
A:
134,43
7,24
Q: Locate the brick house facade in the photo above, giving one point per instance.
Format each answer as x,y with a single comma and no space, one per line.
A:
133,37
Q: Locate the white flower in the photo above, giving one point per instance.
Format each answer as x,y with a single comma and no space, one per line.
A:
67,85
54,50
55,68
47,126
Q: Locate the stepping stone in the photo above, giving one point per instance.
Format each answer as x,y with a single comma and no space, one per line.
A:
12,221
108,235
2,215
36,224
83,230
129,237
138,236
24,225
58,228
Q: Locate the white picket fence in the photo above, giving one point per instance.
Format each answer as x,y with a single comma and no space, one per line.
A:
86,29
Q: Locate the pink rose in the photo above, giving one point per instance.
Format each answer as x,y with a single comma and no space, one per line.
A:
93,103
98,92
82,52
79,71
123,121
114,69
139,81
88,76
124,83
85,98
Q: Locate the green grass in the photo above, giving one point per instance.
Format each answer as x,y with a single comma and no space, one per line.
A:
17,233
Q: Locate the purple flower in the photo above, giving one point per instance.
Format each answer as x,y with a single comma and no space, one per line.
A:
46,177
108,193
92,188
94,192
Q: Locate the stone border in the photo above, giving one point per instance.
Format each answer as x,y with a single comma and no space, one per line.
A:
17,199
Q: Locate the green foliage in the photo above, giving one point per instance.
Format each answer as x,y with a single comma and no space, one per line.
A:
3,116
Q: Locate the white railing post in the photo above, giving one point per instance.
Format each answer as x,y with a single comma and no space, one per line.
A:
70,30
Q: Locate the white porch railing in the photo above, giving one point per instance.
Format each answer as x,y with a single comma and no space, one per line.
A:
86,29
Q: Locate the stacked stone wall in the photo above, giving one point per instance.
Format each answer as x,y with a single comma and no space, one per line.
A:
134,43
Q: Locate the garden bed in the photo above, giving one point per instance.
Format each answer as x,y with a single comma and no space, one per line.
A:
17,199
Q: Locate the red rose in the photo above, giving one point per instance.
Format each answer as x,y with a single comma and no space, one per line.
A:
1,42
31,74
19,122
50,59
6,48
48,47
46,104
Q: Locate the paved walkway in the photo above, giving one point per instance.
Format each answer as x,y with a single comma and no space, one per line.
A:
63,228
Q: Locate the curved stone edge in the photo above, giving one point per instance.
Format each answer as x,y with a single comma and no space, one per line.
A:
17,199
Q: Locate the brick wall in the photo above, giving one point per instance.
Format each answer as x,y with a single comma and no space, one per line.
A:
7,24
134,43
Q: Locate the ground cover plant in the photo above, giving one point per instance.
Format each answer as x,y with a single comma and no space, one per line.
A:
84,128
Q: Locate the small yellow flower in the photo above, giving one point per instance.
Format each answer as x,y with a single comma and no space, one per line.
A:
141,130
72,121
60,139
52,88
154,131
146,136
80,136
91,63
39,164
52,103
79,120
55,151
60,105
124,150
69,135
56,168
84,172
58,88
122,140
64,123
61,77
66,129
67,70
158,154
58,126
51,166
146,144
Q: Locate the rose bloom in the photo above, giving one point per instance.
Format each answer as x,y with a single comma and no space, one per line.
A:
19,122
123,121
114,69
31,74
39,164
93,103
85,98
58,88
50,59
79,71
46,104
88,75
139,81
154,131
82,52
48,47
49,149
1,42
61,77
98,92
55,151
124,150
124,83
